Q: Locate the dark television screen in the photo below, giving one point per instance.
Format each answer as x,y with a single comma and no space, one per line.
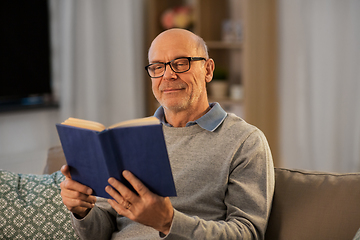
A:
25,68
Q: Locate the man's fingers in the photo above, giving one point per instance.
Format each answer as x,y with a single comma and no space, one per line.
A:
68,183
139,187
78,206
119,203
76,201
120,188
71,194
76,196
75,186
121,193
117,197
65,171
84,201
146,208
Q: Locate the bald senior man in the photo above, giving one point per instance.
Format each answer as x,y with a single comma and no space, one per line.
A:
222,166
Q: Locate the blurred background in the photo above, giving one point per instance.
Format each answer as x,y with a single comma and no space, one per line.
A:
289,67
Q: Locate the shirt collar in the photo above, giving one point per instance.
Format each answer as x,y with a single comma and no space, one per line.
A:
210,121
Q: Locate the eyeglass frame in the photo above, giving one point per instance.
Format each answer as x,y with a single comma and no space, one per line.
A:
169,63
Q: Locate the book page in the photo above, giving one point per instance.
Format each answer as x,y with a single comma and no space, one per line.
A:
81,123
92,125
137,122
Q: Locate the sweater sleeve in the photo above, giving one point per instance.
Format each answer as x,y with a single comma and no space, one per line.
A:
91,227
248,198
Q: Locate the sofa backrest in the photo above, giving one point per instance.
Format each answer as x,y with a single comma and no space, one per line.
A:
55,159
314,205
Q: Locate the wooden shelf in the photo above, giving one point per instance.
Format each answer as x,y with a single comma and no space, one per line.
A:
224,45
208,22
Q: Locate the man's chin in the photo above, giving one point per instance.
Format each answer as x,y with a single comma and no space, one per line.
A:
174,106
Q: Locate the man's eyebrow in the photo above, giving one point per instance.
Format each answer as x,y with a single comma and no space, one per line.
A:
151,62
158,61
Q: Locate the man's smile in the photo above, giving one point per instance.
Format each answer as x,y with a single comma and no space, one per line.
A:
172,90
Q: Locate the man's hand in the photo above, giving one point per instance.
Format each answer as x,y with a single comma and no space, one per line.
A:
75,195
146,208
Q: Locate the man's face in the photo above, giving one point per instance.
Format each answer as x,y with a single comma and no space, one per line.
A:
178,91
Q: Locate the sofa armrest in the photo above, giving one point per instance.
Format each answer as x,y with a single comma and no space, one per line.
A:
314,205
55,160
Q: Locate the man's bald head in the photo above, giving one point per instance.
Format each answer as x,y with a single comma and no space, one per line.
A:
178,34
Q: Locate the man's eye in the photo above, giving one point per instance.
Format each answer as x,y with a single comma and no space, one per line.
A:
179,64
156,67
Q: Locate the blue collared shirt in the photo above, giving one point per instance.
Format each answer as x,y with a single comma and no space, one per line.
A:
210,121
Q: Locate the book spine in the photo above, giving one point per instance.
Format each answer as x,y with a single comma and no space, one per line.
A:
143,152
112,157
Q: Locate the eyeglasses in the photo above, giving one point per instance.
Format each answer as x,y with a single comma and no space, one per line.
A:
178,65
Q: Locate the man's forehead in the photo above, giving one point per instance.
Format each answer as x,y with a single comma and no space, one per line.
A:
172,47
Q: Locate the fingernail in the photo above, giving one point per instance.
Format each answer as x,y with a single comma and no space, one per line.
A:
111,180
126,173
89,191
109,189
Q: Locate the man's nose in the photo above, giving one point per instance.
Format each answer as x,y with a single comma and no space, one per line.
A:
169,73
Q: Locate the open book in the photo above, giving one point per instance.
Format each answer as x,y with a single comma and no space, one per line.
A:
95,153
96,126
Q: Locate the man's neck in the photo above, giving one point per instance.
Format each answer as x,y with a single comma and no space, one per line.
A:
181,118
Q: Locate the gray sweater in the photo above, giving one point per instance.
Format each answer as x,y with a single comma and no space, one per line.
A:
224,181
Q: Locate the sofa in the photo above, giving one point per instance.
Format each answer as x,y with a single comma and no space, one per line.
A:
306,205
314,206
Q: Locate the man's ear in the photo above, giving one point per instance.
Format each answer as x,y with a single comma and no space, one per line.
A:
209,68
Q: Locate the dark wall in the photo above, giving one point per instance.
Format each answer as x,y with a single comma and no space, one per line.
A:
24,49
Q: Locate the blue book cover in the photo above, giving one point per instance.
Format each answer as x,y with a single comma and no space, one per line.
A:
94,156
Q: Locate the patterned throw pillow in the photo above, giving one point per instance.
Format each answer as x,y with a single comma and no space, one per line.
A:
31,207
357,236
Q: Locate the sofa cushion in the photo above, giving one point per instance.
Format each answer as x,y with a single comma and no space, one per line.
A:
31,207
314,205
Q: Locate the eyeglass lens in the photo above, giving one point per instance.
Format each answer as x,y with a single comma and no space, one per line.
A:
178,65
